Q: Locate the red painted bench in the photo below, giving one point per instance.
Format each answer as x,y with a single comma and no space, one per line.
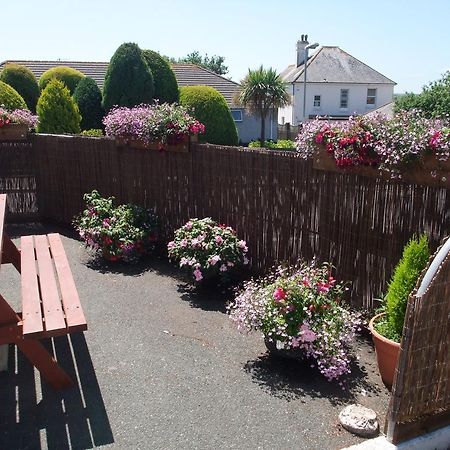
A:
50,303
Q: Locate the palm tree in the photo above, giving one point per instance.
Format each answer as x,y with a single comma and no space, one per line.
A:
261,90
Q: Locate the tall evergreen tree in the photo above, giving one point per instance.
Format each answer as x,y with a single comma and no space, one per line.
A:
88,97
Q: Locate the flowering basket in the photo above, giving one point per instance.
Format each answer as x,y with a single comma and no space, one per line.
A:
207,250
14,125
300,313
116,233
153,127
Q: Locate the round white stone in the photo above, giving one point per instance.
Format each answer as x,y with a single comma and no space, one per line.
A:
359,420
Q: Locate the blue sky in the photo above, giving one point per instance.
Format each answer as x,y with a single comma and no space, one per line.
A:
406,40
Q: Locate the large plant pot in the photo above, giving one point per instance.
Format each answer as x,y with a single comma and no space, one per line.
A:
387,353
293,353
13,132
181,147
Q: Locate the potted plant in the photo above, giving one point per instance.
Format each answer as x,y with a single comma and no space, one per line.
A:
386,327
14,125
117,233
161,127
208,250
301,315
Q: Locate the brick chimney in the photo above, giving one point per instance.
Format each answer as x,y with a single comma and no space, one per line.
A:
301,49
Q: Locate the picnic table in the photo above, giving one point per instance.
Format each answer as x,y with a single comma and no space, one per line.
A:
50,303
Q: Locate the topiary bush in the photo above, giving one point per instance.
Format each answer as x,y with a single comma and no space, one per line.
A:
210,107
10,98
21,78
128,80
413,261
58,113
88,97
69,76
166,86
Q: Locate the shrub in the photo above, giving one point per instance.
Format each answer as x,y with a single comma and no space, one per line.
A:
124,232
128,80
413,261
94,132
88,97
19,116
166,86
285,144
57,111
23,81
209,107
299,310
69,76
10,98
206,249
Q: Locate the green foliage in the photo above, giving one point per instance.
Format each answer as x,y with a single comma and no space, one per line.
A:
434,100
284,144
58,113
260,91
210,108
214,63
88,97
23,81
128,80
92,133
69,76
10,98
413,261
166,86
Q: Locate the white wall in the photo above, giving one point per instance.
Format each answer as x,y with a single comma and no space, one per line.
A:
330,100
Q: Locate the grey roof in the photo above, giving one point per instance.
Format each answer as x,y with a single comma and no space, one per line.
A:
186,74
334,65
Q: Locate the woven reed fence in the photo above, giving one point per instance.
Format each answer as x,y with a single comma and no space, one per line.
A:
17,179
420,400
277,202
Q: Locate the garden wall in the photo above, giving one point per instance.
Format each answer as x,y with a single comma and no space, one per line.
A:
283,207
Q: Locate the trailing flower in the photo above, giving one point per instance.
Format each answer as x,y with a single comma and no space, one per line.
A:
206,249
18,116
124,232
300,308
166,123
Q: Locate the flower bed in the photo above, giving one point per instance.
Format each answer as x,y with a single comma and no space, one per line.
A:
299,308
15,124
152,126
125,232
206,249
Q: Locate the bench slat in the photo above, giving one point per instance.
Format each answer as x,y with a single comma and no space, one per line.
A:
51,303
75,318
31,302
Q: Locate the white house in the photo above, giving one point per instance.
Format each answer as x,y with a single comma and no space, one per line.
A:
337,85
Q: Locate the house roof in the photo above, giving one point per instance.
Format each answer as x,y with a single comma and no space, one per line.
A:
186,74
334,65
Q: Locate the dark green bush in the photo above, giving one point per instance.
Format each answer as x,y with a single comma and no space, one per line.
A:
10,98
69,76
282,144
128,80
23,81
166,86
88,97
210,107
95,132
413,261
58,113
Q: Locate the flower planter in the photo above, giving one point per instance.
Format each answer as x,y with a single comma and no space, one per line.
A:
292,353
13,132
182,147
387,353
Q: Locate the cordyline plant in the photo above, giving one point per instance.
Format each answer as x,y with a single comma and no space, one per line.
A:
374,140
166,123
18,116
124,232
300,308
206,249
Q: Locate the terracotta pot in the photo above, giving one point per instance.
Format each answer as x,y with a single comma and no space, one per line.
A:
387,353
13,132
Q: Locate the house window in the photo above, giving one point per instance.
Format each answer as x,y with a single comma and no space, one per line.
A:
317,101
371,97
344,98
237,115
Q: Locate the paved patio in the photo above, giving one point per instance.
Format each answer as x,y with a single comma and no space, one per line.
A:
163,367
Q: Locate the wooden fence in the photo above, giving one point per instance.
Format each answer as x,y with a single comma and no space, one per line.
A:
283,207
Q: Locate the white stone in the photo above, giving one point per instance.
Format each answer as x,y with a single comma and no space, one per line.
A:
359,420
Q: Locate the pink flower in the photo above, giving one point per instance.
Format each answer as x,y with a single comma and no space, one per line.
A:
230,264
198,275
245,261
243,245
223,268
171,245
323,287
219,240
189,225
306,334
279,295
183,243
214,260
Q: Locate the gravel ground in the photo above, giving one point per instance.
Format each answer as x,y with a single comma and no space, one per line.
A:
162,367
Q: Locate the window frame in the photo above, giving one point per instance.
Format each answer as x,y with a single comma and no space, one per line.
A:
346,99
237,111
317,98
374,97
